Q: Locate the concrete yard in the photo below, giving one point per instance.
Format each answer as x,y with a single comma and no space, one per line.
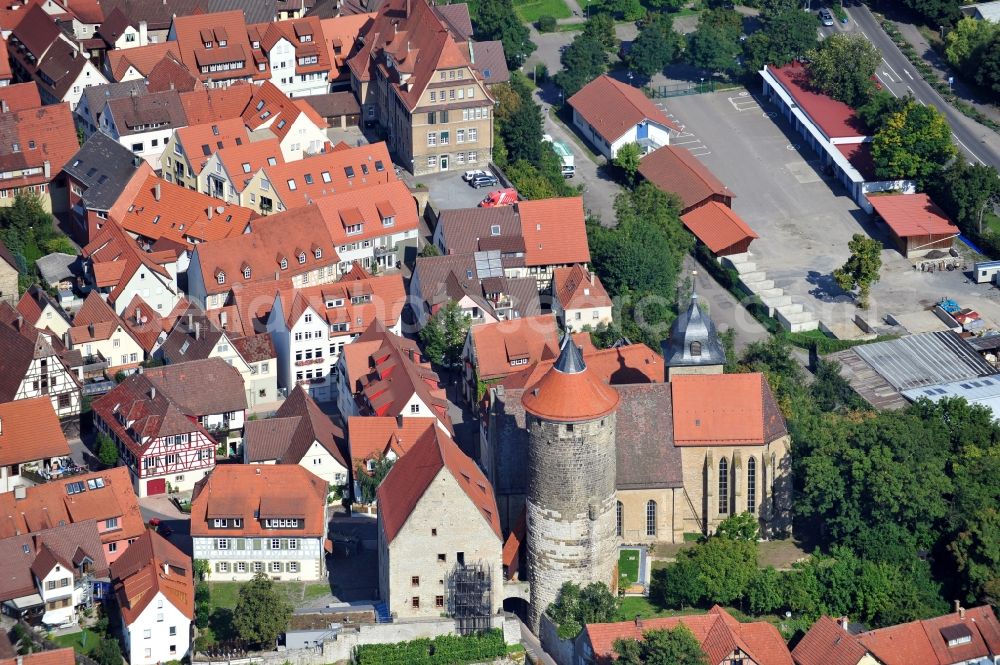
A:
448,190
804,218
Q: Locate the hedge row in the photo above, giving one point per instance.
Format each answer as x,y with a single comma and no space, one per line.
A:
443,650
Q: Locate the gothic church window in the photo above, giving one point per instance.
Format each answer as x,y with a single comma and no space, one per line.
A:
723,486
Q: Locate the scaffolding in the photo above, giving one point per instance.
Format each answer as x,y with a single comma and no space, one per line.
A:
470,597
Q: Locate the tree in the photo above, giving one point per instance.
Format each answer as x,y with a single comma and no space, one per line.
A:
627,159
601,27
583,61
862,268
764,593
843,67
520,121
677,585
987,73
430,249
915,143
674,646
785,36
496,20
575,607
107,451
742,526
261,612
107,652
369,475
769,8
202,604
881,106
935,12
711,48
444,335
655,47
976,551
968,36
962,190
628,10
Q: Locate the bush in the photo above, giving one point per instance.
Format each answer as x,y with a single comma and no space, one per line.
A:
443,650
546,24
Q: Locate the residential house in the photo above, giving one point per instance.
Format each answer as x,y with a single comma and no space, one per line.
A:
299,433
148,326
93,101
101,177
579,299
161,447
144,123
154,586
106,344
611,114
286,185
6,73
438,531
40,310
293,245
271,114
495,350
339,109
229,172
195,337
117,267
8,275
477,283
50,571
964,636
414,76
30,440
189,149
529,239
340,36
723,639
137,62
20,96
310,326
41,140
382,374
677,171
298,62
119,33
31,366
105,497
261,518
214,104
371,438
43,53
216,47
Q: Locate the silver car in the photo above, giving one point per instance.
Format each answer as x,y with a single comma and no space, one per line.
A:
826,16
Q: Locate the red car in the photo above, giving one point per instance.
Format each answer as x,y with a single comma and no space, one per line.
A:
500,197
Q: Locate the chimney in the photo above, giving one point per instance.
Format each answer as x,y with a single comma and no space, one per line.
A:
399,421
138,315
197,330
67,342
222,319
143,33
591,278
136,160
166,568
959,609
844,623
20,492
1,425
156,191
258,470
210,208
90,329
190,321
472,53
3,106
152,392
48,168
407,8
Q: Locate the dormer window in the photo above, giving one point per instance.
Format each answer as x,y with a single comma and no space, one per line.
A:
271,161
326,176
349,172
388,221
246,272
302,257
695,348
207,44
308,177
221,277
260,104
222,42
284,264
318,253
495,230
246,167
16,147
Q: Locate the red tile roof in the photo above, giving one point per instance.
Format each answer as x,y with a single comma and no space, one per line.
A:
574,396
115,257
291,30
717,631
95,321
577,288
381,298
29,431
717,226
713,409
65,656
214,104
411,476
677,171
374,436
300,422
827,643
164,210
835,119
326,174
270,108
201,141
45,505
554,231
612,107
241,162
193,31
151,566
497,345
42,135
255,492
340,34
926,642
860,157
19,96
144,322
141,58
369,207
635,363
912,215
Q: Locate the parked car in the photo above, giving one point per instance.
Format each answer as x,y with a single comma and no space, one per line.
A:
500,197
469,175
484,180
826,16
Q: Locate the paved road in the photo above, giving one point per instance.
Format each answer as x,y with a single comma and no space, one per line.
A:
979,144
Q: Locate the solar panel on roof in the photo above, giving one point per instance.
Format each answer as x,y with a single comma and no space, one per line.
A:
488,264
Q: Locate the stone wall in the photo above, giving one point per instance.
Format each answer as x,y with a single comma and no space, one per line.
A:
571,507
670,509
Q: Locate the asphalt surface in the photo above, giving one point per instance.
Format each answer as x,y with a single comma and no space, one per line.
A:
978,143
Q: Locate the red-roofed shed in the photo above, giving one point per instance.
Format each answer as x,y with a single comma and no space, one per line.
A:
720,229
917,225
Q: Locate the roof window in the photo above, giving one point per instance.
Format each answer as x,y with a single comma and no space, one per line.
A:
349,171
379,166
246,167
326,176
260,104
308,178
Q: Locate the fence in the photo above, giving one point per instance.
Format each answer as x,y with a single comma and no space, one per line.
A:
679,89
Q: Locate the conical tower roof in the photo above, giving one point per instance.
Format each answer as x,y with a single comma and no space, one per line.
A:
569,392
693,339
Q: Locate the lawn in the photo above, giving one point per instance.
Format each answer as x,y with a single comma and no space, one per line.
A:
225,594
529,11
628,568
83,642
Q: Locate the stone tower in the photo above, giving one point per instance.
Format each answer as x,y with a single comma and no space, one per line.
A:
571,479
693,346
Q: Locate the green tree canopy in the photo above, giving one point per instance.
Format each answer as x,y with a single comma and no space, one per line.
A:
674,646
369,474
862,268
962,190
968,36
914,143
881,106
601,27
444,335
712,49
843,67
261,613
627,159
575,607
786,35
583,61
497,20
742,526
107,451
655,47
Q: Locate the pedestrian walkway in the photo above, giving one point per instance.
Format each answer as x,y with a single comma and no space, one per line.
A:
533,647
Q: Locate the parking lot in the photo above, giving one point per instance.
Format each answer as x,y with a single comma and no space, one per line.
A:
804,218
448,190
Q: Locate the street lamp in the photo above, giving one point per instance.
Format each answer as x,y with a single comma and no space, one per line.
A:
701,86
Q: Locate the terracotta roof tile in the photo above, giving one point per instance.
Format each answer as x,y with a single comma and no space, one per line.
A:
41,135
340,34
677,171
497,345
327,174
381,298
202,141
194,54
717,226
577,288
214,104
911,215
201,387
923,642
702,418
134,114
115,257
288,436
144,322
411,477
612,107
362,207
554,231
142,58
19,96
374,436
152,565
827,643
170,74
29,431
241,162
570,395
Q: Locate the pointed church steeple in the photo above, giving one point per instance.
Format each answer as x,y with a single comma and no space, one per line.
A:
693,346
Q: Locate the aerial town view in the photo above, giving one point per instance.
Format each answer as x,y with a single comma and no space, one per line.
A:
510,332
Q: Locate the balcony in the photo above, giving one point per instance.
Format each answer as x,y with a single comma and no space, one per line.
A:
311,382
308,361
94,364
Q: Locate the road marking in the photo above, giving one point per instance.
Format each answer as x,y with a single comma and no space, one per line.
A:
908,74
886,74
685,142
885,85
891,69
967,149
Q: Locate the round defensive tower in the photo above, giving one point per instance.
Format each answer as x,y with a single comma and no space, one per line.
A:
571,479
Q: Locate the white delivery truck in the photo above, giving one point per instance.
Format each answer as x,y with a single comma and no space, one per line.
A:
565,156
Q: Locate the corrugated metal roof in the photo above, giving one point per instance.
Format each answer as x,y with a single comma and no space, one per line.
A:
982,390
925,359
